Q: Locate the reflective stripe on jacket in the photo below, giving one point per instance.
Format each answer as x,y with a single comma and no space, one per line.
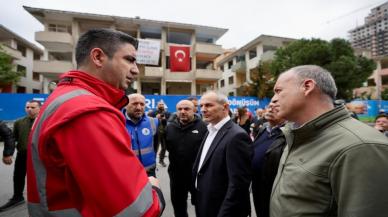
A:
142,139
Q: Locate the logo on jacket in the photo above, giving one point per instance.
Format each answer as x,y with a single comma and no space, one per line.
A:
145,131
195,131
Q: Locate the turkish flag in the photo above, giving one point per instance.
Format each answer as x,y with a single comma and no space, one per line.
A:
179,59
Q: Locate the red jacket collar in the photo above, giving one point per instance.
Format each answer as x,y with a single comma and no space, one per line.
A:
112,95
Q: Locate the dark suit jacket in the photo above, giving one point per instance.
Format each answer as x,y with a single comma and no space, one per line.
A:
224,178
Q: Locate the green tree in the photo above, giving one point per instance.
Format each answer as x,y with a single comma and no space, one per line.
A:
7,74
337,56
262,81
384,94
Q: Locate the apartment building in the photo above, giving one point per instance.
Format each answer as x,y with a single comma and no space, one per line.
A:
373,35
236,67
63,28
23,54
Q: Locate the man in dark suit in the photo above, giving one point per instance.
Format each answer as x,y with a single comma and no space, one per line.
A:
222,170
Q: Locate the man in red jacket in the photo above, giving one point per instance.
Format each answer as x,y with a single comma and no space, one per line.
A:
80,161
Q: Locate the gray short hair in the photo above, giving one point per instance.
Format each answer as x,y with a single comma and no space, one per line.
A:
221,98
321,76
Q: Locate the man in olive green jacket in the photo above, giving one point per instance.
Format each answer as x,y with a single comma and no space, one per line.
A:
333,165
21,131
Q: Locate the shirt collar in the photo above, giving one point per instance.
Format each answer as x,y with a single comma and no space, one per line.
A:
219,125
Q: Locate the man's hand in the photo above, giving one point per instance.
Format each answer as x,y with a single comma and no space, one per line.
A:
154,181
7,160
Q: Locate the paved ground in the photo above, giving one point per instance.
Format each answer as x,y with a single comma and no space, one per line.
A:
6,191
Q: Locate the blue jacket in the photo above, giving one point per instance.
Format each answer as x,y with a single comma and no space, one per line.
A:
142,139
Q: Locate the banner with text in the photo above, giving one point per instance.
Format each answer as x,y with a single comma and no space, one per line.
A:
12,105
148,52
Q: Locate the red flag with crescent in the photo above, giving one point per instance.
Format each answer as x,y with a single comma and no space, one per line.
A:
179,59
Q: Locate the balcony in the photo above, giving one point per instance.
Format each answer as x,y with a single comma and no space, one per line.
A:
153,72
208,48
208,74
55,41
207,51
179,76
50,68
15,54
239,67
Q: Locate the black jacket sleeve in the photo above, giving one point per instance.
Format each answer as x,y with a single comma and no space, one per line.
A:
9,141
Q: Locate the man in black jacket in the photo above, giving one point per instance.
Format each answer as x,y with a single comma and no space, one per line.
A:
222,169
6,135
183,139
162,115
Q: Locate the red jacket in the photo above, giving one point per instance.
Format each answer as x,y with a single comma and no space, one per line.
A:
79,156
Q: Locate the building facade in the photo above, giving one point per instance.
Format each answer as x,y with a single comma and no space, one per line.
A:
236,67
23,54
373,35
63,28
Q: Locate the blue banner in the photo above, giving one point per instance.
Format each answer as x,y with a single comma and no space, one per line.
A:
12,105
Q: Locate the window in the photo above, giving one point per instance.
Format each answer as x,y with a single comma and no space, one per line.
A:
269,48
252,54
35,91
36,56
35,76
63,56
155,35
167,62
231,94
179,37
21,69
222,83
230,64
240,58
231,79
222,67
22,49
59,28
20,89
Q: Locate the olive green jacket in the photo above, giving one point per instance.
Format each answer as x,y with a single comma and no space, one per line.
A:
333,165
21,131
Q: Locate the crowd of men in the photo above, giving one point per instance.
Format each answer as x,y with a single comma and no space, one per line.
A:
92,150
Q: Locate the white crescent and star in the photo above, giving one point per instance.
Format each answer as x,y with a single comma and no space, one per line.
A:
180,58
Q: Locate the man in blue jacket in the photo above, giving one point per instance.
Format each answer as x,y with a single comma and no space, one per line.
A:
142,129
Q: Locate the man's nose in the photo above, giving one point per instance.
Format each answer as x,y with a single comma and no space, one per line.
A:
135,70
274,99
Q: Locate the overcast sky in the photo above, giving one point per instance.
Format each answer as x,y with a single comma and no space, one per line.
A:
245,19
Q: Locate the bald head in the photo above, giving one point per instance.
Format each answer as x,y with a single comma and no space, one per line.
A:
136,106
185,111
303,93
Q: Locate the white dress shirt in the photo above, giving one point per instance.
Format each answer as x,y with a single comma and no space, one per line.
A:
213,130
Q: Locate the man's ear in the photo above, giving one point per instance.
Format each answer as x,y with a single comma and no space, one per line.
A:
226,106
308,86
98,57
